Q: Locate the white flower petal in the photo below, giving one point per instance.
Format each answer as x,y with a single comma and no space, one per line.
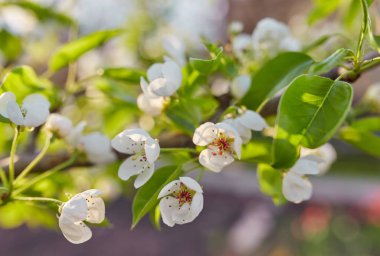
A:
169,188
144,175
59,124
167,206
305,166
74,232
240,86
130,141
14,113
152,150
252,120
196,205
214,162
172,72
75,209
296,188
35,99
95,205
150,105
205,134
155,71
131,166
191,184
5,98
183,215
36,115
73,139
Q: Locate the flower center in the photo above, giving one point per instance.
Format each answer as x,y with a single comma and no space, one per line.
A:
223,144
184,195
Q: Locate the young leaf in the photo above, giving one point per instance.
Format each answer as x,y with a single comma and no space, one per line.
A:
184,115
127,75
310,112
71,51
207,66
258,150
10,45
322,9
275,75
155,217
146,197
361,139
334,60
270,183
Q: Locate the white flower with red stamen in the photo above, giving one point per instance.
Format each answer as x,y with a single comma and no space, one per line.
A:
32,113
325,156
144,151
222,141
181,201
295,186
247,121
86,206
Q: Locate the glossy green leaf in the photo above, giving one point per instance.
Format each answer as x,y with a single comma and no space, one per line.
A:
361,139
310,112
258,150
71,51
10,46
275,75
322,9
367,124
184,115
270,183
146,197
207,66
127,75
334,60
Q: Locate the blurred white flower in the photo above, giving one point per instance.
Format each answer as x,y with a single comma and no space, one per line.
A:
235,27
240,86
86,206
222,140
59,125
325,156
247,121
148,102
271,37
175,48
98,148
73,138
220,87
295,186
144,150
164,78
181,201
372,96
33,112
241,43
17,20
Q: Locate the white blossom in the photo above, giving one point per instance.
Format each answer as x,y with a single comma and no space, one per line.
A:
148,102
175,48
59,125
295,185
271,37
86,206
181,201
74,137
235,27
372,96
222,141
245,122
241,43
33,112
98,148
220,87
240,86
144,150
325,156
164,78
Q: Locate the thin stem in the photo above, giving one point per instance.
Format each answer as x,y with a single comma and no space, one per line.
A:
35,160
4,178
201,172
192,150
12,158
40,199
47,174
363,31
369,64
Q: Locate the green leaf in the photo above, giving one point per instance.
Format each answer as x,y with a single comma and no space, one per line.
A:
22,81
318,42
361,139
146,196
322,9
270,183
353,12
367,124
10,45
334,60
309,113
275,75
127,75
43,13
258,150
207,66
185,115
71,51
